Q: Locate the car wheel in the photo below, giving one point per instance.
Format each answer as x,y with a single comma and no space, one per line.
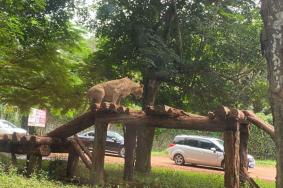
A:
122,152
179,159
223,165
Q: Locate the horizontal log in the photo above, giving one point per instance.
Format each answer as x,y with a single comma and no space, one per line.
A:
254,119
181,122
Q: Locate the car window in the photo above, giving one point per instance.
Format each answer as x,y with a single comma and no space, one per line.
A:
182,142
90,134
6,124
191,142
206,144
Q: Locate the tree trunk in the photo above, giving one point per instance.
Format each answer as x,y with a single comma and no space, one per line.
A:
272,43
146,134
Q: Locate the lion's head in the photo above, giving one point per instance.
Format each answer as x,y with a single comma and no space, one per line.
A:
137,91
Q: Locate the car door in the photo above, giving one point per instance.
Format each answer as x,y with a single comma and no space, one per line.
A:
191,150
207,155
4,128
111,143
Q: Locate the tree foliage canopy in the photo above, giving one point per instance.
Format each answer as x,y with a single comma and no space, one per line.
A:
39,54
210,50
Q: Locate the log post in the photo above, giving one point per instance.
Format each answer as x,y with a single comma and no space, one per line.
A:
244,139
97,172
13,155
81,153
33,164
130,146
73,160
83,146
231,156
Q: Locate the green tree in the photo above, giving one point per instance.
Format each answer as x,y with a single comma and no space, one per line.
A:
40,54
199,53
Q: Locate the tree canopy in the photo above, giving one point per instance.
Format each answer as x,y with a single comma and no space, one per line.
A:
210,51
41,53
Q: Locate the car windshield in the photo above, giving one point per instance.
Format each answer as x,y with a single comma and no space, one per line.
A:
6,124
116,135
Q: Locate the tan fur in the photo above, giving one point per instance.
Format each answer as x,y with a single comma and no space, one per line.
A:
114,91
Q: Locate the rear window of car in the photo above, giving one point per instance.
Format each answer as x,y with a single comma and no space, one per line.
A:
191,142
179,141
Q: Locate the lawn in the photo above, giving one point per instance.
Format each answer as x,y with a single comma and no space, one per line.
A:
266,163
53,171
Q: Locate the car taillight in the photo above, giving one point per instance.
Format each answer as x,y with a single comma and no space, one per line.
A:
171,145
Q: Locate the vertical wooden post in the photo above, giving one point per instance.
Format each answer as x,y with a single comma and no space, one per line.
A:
73,160
244,139
231,157
13,146
130,145
97,172
33,164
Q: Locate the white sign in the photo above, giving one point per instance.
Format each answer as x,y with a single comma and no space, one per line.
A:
37,118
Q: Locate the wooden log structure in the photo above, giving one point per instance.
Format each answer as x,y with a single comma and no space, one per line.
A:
224,119
224,112
72,164
81,153
33,164
71,128
254,119
83,147
130,145
231,156
244,174
244,139
97,173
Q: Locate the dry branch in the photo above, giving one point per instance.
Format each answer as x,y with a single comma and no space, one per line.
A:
254,119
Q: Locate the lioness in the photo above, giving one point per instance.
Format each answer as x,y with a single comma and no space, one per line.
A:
114,91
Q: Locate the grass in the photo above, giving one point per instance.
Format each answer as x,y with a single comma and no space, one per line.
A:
266,163
53,171
163,153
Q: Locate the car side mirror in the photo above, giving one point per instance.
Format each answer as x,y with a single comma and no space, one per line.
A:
213,149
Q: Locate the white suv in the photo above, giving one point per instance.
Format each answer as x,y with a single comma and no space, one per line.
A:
199,150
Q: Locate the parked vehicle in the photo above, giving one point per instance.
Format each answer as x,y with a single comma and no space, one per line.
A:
7,127
114,142
199,150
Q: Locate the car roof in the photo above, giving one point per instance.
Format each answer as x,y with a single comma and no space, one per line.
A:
196,136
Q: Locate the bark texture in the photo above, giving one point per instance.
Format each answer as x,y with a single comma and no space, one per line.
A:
244,139
272,43
97,172
146,134
73,160
231,156
130,146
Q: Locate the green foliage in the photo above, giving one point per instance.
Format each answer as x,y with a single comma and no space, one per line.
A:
210,52
261,145
40,55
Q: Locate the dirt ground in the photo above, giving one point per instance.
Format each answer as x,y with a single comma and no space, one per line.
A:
265,173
